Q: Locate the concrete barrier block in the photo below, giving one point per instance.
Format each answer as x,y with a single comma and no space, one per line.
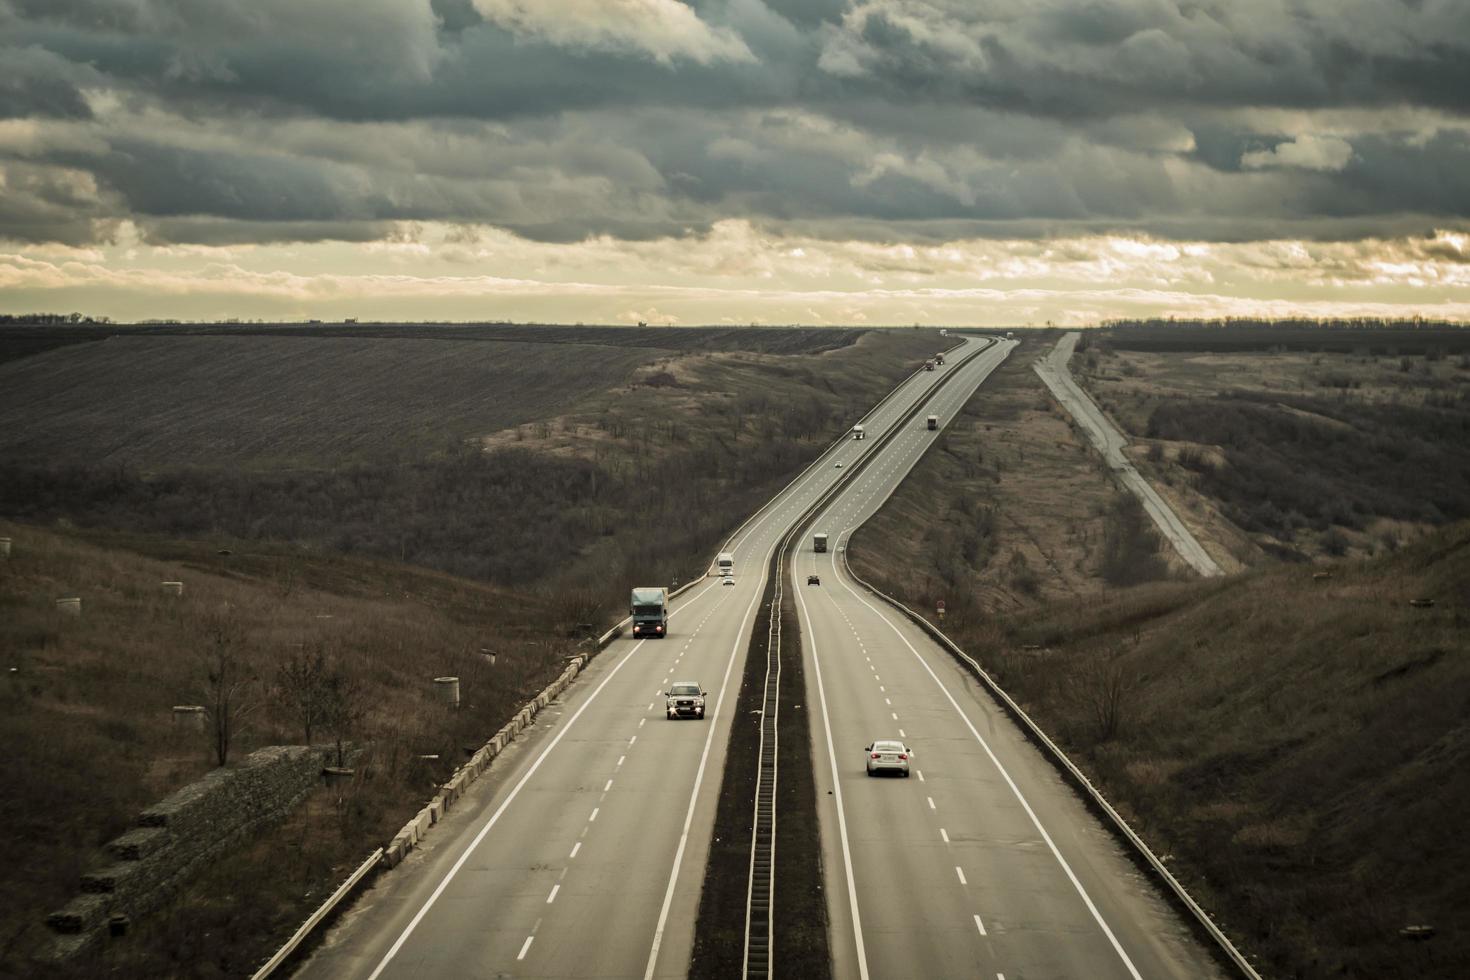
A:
81,914
111,878
138,843
422,823
399,847
436,809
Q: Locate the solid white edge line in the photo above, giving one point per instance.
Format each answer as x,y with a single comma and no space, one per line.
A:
1015,790
504,804
809,639
693,798
663,914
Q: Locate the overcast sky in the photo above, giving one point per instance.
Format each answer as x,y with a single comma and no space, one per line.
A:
712,161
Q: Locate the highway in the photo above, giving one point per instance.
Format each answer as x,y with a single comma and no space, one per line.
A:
983,863
581,852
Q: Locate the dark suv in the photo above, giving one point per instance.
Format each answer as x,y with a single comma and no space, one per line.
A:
684,700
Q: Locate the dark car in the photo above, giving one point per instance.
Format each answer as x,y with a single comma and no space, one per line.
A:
685,700
814,580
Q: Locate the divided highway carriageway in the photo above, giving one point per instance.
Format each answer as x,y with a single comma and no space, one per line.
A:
581,852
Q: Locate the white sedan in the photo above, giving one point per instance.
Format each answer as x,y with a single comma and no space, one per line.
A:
888,755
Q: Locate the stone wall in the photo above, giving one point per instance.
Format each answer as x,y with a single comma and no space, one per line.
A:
139,870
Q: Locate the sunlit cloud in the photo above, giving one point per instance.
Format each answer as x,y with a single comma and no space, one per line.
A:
733,160
737,273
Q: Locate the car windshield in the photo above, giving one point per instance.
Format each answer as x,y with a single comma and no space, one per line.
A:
684,689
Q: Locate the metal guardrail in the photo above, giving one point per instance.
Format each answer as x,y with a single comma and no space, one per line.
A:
313,921
1070,769
846,437
759,909
282,954
761,880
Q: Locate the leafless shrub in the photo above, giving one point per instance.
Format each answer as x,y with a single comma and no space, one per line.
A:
1105,684
231,687
301,688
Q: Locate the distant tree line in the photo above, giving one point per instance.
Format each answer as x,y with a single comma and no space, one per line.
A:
1363,335
1287,323
53,319
515,517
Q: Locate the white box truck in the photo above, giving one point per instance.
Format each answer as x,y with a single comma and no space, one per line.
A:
725,563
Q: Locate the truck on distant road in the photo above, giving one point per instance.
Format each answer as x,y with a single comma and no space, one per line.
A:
933,421
725,562
819,543
858,433
649,608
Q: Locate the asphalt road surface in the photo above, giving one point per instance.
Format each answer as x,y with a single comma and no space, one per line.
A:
581,852
1111,443
983,863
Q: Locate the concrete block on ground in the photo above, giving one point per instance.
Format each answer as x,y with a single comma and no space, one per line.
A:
139,842
110,879
398,848
436,809
422,823
82,914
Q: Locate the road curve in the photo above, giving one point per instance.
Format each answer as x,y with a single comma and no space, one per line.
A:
581,852
1110,443
984,863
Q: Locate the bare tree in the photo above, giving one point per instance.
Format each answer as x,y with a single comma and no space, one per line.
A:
344,706
230,684
1105,685
301,686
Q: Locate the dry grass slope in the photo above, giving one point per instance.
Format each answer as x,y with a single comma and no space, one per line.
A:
87,737
1297,745
1008,507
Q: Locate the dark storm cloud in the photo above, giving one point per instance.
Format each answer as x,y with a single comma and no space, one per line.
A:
38,83
199,120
